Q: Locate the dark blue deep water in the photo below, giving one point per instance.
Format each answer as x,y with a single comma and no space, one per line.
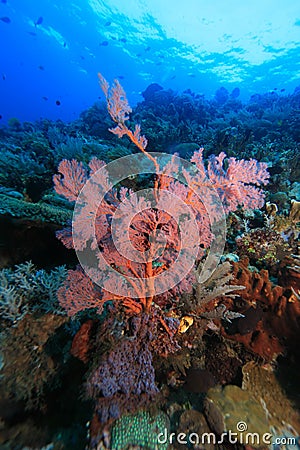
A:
51,51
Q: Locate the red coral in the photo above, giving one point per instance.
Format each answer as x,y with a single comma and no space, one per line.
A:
272,320
81,343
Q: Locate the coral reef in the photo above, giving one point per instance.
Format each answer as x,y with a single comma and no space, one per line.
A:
123,377
135,356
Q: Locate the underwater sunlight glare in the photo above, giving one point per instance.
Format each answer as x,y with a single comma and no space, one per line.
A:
53,50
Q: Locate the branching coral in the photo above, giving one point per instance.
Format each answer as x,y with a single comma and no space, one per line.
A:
22,287
216,285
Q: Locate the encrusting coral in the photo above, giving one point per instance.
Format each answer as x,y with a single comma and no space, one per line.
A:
28,370
271,313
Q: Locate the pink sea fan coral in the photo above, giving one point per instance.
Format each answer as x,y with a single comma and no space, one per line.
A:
70,179
236,181
79,293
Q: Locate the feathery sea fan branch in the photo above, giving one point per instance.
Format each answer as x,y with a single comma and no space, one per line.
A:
70,179
238,185
118,108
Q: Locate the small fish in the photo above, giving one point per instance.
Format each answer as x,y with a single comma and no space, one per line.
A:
159,63
32,33
157,264
41,67
45,98
3,77
82,57
3,1
147,49
282,90
123,40
65,44
0,117
121,77
5,19
173,77
39,21
57,103
275,89
107,24
192,75
104,44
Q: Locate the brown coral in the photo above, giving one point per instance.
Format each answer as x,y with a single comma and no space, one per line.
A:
82,341
278,313
28,368
263,385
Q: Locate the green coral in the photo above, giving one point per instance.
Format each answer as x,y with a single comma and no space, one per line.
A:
264,247
140,429
33,211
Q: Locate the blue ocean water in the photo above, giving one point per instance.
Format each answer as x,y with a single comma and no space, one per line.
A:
51,51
